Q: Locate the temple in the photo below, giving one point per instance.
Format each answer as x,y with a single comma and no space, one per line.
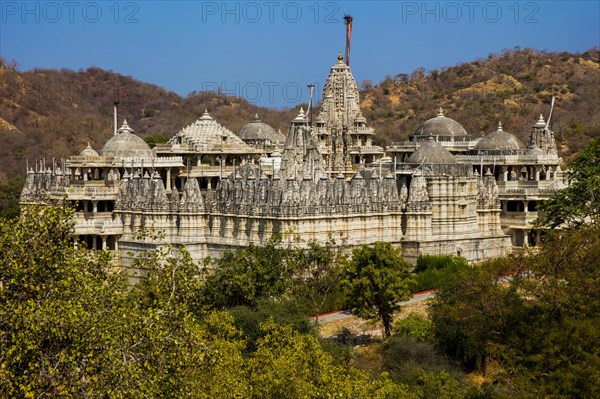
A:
211,190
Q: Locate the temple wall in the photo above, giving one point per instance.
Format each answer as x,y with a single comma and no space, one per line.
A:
231,230
474,250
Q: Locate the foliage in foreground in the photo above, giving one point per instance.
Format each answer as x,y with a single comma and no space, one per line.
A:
70,326
540,329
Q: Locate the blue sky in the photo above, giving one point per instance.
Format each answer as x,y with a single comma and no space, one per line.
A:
268,51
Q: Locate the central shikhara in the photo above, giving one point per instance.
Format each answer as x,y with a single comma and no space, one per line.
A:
211,190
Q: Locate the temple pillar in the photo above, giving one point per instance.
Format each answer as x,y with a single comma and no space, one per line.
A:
103,243
168,188
537,173
95,206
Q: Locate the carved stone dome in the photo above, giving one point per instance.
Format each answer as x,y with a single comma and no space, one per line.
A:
499,141
431,152
88,152
442,128
126,145
257,130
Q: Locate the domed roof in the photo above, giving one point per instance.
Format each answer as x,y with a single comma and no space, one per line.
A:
206,134
126,145
258,130
88,152
442,127
499,141
431,152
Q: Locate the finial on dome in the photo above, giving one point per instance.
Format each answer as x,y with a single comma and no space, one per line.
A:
125,128
499,126
205,115
340,57
301,116
440,112
540,123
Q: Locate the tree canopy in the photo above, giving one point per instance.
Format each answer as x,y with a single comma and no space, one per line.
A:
578,203
71,326
540,328
376,278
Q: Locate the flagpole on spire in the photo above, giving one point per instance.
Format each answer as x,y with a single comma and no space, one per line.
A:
348,22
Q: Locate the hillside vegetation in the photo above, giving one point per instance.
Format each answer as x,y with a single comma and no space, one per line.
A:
513,87
54,113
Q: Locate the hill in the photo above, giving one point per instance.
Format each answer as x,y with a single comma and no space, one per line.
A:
54,113
513,87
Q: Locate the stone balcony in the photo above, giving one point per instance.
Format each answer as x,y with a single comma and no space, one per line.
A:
96,192
520,220
517,159
98,225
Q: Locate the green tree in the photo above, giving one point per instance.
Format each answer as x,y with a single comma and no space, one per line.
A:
155,139
432,270
555,349
540,328
416,326
376,278
292,365
71,326
319,268
580,201
9,197
471,310
244,276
